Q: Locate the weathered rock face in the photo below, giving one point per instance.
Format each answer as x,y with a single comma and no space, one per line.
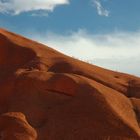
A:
13,126
45,95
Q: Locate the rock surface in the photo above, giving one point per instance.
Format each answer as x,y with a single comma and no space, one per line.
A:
46,95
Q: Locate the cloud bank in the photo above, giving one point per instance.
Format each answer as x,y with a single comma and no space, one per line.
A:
100,9
16,7
117,51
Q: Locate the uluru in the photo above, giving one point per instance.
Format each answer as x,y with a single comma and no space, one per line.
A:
46,95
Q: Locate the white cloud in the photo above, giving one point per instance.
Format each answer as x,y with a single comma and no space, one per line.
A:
100,9
16,7
118,51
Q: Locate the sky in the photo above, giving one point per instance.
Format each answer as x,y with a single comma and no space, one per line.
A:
102,32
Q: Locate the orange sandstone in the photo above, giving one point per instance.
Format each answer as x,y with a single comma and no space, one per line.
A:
46,95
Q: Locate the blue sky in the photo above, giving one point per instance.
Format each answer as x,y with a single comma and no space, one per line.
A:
77,14
104,32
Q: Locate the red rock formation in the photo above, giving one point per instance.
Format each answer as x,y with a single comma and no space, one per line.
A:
62,98
13,126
